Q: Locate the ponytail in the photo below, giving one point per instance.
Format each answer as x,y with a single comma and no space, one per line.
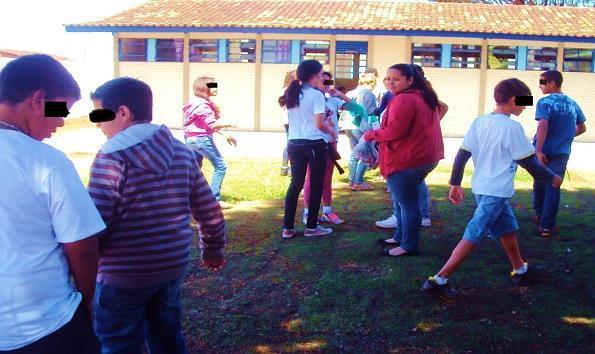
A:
291,98
305,71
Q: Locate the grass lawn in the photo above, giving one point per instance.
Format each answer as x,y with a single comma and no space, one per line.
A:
335,294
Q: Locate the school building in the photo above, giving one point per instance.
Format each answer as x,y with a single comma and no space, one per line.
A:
249,45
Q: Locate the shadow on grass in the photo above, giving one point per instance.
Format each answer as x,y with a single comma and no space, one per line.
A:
334,294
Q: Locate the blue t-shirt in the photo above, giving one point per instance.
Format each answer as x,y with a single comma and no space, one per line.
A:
563,115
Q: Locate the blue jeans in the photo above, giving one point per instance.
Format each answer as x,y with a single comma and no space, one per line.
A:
546,198
125,316
356,167
493,215
205,146
424,201
404,187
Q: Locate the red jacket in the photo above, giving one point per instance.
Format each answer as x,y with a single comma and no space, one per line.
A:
409,134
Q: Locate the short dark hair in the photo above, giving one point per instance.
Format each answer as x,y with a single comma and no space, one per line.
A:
129,92
508,88
553,75
21,77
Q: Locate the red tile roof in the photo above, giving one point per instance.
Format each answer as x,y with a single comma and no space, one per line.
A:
377,15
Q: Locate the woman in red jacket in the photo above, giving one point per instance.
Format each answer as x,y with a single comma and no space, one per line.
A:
410,146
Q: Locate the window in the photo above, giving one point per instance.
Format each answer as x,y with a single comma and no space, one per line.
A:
203,50
171,50
241,51
316,50
501,57
578,60
465,56
541,58
424,54
132,49
351,59
274,51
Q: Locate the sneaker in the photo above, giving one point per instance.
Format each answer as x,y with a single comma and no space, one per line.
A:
388,223
288,233
534,274
544,232
361,187
331,218
444,292
284,171
317,231
426,222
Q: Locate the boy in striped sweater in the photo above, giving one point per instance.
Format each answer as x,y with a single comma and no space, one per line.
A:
146,184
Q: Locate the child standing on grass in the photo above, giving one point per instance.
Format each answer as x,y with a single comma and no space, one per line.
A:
201,120
496,143
146,184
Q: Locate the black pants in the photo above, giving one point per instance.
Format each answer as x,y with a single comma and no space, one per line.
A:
75,337
302,154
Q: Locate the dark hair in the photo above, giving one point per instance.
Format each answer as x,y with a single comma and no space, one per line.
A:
305,71
327,74
419,83
129,92
24,75
508,88
553,75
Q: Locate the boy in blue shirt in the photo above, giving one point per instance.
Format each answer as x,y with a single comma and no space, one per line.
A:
497,144
559,120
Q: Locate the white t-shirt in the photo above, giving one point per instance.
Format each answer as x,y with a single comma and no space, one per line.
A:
42,205
302,124
333,104
496,142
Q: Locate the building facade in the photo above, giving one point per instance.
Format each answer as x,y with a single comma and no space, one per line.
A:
248,46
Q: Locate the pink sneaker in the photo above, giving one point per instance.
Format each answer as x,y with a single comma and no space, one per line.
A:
361,187
288,233
331,218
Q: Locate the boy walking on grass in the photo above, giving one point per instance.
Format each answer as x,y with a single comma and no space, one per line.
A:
146,184
559,120
497,144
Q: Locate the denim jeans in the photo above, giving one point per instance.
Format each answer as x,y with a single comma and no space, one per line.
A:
207,148
124,317
424,201
75,337
404,187
546,198
305,154
357,169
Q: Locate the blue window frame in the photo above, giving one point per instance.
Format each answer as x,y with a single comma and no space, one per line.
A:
542,58
276,51
351,59
465,56
502,57
203,50
132,49
241,51
169,50
426,54
580,60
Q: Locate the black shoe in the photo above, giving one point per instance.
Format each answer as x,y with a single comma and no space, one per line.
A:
445,292
534,274
382,242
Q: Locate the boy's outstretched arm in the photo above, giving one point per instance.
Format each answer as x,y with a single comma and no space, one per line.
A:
539,171
456,193
211,224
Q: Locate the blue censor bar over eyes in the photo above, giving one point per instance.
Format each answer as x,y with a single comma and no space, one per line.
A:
56,109
102,115
523,100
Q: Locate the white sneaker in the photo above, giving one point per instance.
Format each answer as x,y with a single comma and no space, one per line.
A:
426,222
388,223
318,231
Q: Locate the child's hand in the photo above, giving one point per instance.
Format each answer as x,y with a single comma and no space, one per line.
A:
542,158
231,140
557,181
214,264
456,195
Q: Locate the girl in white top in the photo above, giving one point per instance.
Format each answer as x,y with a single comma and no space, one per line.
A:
307,144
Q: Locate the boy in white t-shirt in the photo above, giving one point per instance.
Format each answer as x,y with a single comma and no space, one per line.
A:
47,218
497,144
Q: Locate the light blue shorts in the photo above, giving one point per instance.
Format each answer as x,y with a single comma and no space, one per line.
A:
493,215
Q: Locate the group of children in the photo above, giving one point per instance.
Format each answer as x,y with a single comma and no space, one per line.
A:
126,242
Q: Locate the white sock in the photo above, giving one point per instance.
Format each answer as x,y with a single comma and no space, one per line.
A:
327,209
305,212
440,280
522,270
